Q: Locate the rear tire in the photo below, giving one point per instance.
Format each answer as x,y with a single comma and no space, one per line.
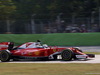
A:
67,55
5,56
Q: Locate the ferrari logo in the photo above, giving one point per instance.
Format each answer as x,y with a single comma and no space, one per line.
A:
54,50
37,52
30,53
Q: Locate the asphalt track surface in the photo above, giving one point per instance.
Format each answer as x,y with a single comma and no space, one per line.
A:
90,48
86,49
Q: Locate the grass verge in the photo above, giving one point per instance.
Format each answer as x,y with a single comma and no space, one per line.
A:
48,69
58,39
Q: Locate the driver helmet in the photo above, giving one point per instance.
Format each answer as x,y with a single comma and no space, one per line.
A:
38,42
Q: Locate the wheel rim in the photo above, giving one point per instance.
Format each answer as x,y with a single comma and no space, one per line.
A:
4,56
66,54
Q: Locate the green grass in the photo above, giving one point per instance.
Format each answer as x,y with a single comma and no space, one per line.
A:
48,69
58,39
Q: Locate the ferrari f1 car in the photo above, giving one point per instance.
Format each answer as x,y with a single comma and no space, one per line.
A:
33,50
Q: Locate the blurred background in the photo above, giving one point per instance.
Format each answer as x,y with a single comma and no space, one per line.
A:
49,16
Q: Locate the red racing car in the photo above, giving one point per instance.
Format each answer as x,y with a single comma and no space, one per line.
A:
34,50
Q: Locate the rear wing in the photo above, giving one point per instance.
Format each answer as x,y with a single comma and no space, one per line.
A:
4,45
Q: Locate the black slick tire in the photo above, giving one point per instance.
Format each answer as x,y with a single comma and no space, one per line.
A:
67,55
5,56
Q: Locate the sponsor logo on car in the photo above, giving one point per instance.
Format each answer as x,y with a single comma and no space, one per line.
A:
37,52
81,56
54,50
30,53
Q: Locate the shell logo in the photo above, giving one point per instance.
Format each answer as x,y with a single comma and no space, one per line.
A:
30,53
37,52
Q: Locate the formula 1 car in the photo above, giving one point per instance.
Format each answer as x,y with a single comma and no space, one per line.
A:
33,50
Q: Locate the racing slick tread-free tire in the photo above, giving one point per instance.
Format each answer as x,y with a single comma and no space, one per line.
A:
4,56
67,55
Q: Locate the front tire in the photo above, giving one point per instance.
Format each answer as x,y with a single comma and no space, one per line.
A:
5,56
67,55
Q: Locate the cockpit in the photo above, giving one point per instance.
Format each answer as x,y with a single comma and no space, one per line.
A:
27,45
33,45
